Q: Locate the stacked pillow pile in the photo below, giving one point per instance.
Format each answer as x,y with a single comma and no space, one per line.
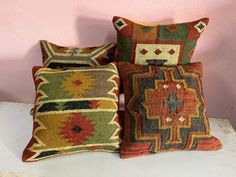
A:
77,94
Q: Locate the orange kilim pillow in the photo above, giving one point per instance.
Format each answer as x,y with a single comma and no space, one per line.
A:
164,109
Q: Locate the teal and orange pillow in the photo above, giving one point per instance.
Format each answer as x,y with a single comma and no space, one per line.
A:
169,44
75,110
55,56
164,110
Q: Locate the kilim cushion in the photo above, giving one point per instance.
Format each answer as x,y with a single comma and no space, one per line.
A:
169,44
75,110
55,56
164,110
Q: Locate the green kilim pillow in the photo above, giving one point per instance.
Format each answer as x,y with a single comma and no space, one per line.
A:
75,110
55,56
169,44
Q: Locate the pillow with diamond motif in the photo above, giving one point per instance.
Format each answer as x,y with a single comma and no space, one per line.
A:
168,44
75,110
164,110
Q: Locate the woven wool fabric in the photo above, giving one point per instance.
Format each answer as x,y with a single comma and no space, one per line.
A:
55,56
75,110
169,44
165,110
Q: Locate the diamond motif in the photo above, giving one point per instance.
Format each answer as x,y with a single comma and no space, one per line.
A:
178,86
158,51
120,24
165,86
77,129
168,119
181,119
171,52
143,51
200,26
77,83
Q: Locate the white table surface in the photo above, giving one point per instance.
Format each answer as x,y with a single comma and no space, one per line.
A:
16,129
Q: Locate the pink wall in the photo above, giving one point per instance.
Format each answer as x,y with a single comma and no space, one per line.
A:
88,22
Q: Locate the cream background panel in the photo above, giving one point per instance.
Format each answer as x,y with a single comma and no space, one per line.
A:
151,48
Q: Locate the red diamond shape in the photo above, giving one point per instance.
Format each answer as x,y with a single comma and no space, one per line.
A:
143,51
171,52
77,83
158,51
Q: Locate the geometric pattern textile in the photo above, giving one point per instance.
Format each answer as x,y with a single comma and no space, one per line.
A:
55,56
75,110
171,44
165,109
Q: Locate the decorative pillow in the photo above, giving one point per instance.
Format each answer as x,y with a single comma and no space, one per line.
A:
166,44
55,56
165,110
75,110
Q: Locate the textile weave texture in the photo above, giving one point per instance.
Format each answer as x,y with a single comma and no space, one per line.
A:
75,110
55,56
170,44
164,110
